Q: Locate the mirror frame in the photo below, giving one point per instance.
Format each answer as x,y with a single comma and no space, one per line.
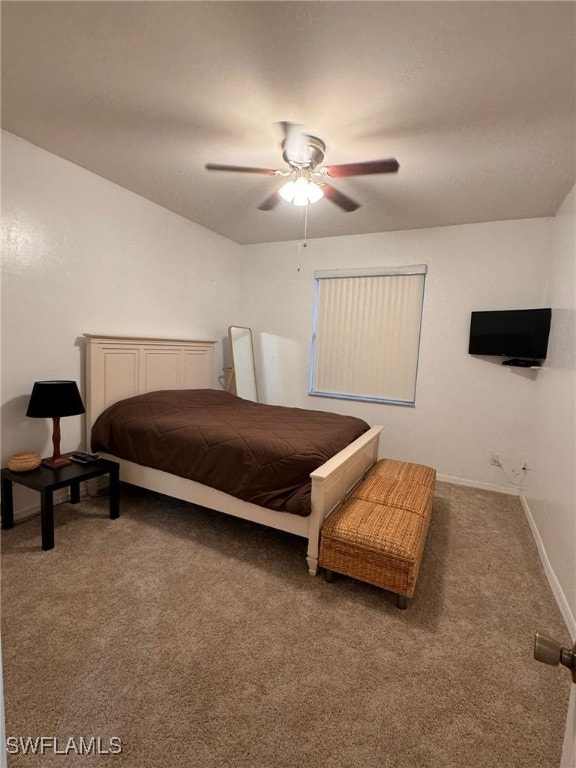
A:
243,365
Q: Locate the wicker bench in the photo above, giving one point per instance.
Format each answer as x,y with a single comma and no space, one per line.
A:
378,534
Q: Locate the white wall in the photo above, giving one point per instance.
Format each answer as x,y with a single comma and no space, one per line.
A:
550,488
83,255
466,407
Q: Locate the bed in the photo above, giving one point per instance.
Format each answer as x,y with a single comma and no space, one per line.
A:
120,368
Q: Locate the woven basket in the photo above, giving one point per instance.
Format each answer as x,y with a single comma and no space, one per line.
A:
24,462
378,534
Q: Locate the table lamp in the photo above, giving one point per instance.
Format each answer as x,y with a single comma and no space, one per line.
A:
53,399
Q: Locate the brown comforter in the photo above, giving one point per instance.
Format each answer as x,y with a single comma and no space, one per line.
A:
258,453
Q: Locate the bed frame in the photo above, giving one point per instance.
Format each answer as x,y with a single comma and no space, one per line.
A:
119,367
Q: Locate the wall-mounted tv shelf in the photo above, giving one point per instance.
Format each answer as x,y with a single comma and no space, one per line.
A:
520,363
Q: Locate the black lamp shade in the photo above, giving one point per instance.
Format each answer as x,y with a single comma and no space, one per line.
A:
52,399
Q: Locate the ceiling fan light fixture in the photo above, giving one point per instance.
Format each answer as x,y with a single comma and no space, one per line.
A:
315,192
301,192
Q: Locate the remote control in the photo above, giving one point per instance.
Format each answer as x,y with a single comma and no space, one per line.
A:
84,458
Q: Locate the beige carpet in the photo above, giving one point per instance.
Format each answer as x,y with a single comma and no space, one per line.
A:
201,641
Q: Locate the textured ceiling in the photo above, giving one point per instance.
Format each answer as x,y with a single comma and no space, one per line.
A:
476,100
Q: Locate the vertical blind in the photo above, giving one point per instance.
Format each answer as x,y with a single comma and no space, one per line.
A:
367,333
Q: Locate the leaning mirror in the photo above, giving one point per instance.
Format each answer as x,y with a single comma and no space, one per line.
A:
244,371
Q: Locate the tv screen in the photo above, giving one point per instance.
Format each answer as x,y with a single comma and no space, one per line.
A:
519,333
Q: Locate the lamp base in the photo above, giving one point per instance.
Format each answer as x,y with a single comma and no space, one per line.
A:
56,463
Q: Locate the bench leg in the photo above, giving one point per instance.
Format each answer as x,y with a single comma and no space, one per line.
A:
401,602
329,575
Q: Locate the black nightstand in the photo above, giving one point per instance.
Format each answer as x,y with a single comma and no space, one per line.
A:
48,480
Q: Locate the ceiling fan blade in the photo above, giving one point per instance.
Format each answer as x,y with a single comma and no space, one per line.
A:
339,198
270,202
362,169
239,169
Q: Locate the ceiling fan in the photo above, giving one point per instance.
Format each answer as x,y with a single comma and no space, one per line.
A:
308,183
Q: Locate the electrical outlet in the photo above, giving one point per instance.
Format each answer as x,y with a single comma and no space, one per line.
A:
495,460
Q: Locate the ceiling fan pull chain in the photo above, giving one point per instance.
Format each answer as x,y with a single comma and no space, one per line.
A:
303,235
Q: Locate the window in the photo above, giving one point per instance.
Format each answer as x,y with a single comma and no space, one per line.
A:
367,333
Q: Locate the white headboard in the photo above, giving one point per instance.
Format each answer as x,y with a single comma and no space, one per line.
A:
118,367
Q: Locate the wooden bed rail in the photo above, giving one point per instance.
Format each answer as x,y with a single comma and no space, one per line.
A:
334,481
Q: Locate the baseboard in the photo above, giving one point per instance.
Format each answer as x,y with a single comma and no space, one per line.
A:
511,491
557,591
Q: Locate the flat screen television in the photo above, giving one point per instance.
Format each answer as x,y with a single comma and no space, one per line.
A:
517,333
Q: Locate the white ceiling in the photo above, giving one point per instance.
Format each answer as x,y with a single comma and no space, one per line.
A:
476,100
